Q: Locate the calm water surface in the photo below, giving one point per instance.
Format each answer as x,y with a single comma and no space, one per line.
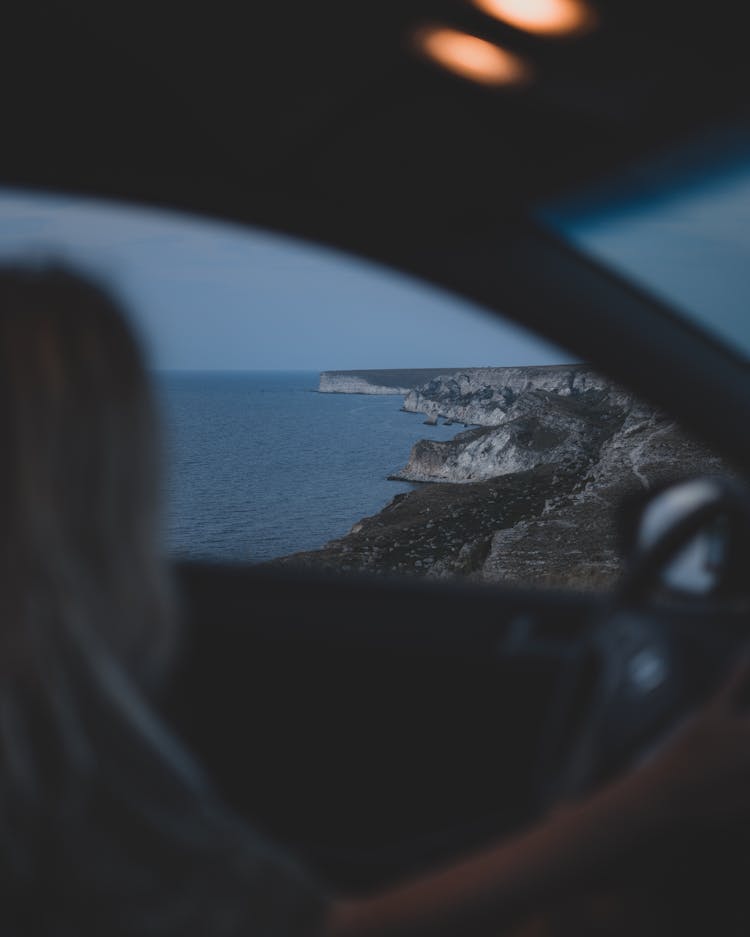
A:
261,465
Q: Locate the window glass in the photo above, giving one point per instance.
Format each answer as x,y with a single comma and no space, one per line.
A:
679,225
323,411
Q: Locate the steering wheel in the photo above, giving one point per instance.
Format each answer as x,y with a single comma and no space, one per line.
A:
648,658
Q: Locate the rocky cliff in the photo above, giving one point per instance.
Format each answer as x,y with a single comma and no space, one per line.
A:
384,381
483,396
537,427
573,542
529,495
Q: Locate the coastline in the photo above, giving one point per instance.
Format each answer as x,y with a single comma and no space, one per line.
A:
393,381
528,495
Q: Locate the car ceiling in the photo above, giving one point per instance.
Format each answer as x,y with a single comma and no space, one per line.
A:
223,106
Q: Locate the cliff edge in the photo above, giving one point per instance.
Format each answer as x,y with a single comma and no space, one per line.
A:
528,495
384,381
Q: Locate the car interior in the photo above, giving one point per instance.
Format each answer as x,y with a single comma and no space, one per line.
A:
381,726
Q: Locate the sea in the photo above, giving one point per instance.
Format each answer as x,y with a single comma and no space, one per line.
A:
260,465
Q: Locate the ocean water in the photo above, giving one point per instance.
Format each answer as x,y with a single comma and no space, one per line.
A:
260,465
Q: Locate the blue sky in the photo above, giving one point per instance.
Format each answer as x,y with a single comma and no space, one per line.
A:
208,295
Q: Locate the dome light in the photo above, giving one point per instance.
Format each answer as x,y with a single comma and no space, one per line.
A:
542,17
471,57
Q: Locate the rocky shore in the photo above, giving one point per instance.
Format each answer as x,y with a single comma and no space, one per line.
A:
385,381
484,395
528,494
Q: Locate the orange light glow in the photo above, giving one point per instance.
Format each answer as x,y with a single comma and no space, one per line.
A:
471,57
543,17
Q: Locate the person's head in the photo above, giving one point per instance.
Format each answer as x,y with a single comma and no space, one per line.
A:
79,518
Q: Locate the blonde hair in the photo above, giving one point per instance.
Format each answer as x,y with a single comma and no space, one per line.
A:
79,480
84,591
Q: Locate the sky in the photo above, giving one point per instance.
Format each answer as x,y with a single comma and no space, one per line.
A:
215,296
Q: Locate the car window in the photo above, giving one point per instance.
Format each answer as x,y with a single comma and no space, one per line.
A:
325,412
679,224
